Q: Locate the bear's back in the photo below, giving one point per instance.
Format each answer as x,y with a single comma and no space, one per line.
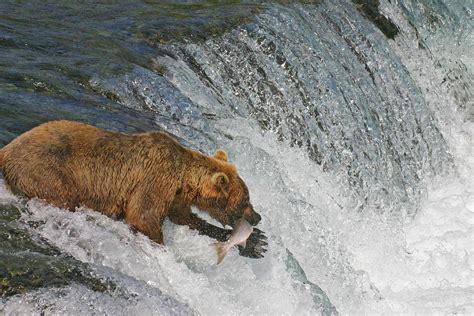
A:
72,164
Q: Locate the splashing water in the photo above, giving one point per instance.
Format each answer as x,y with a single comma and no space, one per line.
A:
357,150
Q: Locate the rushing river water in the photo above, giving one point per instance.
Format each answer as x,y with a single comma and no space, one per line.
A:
350,121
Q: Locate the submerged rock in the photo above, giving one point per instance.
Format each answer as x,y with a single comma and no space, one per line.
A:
320,299
370,9
28,262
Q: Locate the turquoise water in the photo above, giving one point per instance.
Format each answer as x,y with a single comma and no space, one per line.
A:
50,51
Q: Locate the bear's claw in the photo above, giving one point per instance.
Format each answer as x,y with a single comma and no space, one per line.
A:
256,245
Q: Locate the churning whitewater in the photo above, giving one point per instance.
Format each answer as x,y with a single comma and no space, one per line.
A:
357,150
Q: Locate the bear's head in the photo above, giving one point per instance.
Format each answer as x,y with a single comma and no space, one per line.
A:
223,194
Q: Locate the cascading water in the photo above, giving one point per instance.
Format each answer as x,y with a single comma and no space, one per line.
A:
338,132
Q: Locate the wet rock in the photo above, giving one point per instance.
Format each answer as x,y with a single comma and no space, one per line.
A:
370,9
28,262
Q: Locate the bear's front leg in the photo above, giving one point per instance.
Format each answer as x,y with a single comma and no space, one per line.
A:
150,228
184,216
256,243
146,214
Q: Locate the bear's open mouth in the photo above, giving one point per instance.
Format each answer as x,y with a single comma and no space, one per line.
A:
232,220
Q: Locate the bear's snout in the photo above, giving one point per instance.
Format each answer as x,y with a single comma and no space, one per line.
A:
251,216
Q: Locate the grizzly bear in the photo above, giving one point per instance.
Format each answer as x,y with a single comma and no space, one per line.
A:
142,178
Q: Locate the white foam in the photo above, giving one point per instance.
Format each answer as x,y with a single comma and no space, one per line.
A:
184,269
6,196
427,265
79,300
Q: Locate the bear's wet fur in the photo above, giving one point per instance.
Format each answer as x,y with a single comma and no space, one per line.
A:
142,178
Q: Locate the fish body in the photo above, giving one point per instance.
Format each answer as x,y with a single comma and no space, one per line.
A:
240,234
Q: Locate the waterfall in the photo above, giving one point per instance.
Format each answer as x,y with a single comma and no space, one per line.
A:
339,115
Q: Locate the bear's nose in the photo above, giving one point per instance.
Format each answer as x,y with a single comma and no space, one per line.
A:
256,218
251,216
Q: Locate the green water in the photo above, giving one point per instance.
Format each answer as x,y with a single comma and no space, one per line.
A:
49,51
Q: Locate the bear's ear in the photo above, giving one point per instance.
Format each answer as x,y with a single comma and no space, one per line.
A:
220,180
221,155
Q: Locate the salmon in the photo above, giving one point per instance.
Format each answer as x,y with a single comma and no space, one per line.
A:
240,234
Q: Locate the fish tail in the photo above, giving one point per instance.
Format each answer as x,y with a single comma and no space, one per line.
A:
222,250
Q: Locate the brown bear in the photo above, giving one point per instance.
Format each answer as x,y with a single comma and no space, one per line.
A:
142,178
